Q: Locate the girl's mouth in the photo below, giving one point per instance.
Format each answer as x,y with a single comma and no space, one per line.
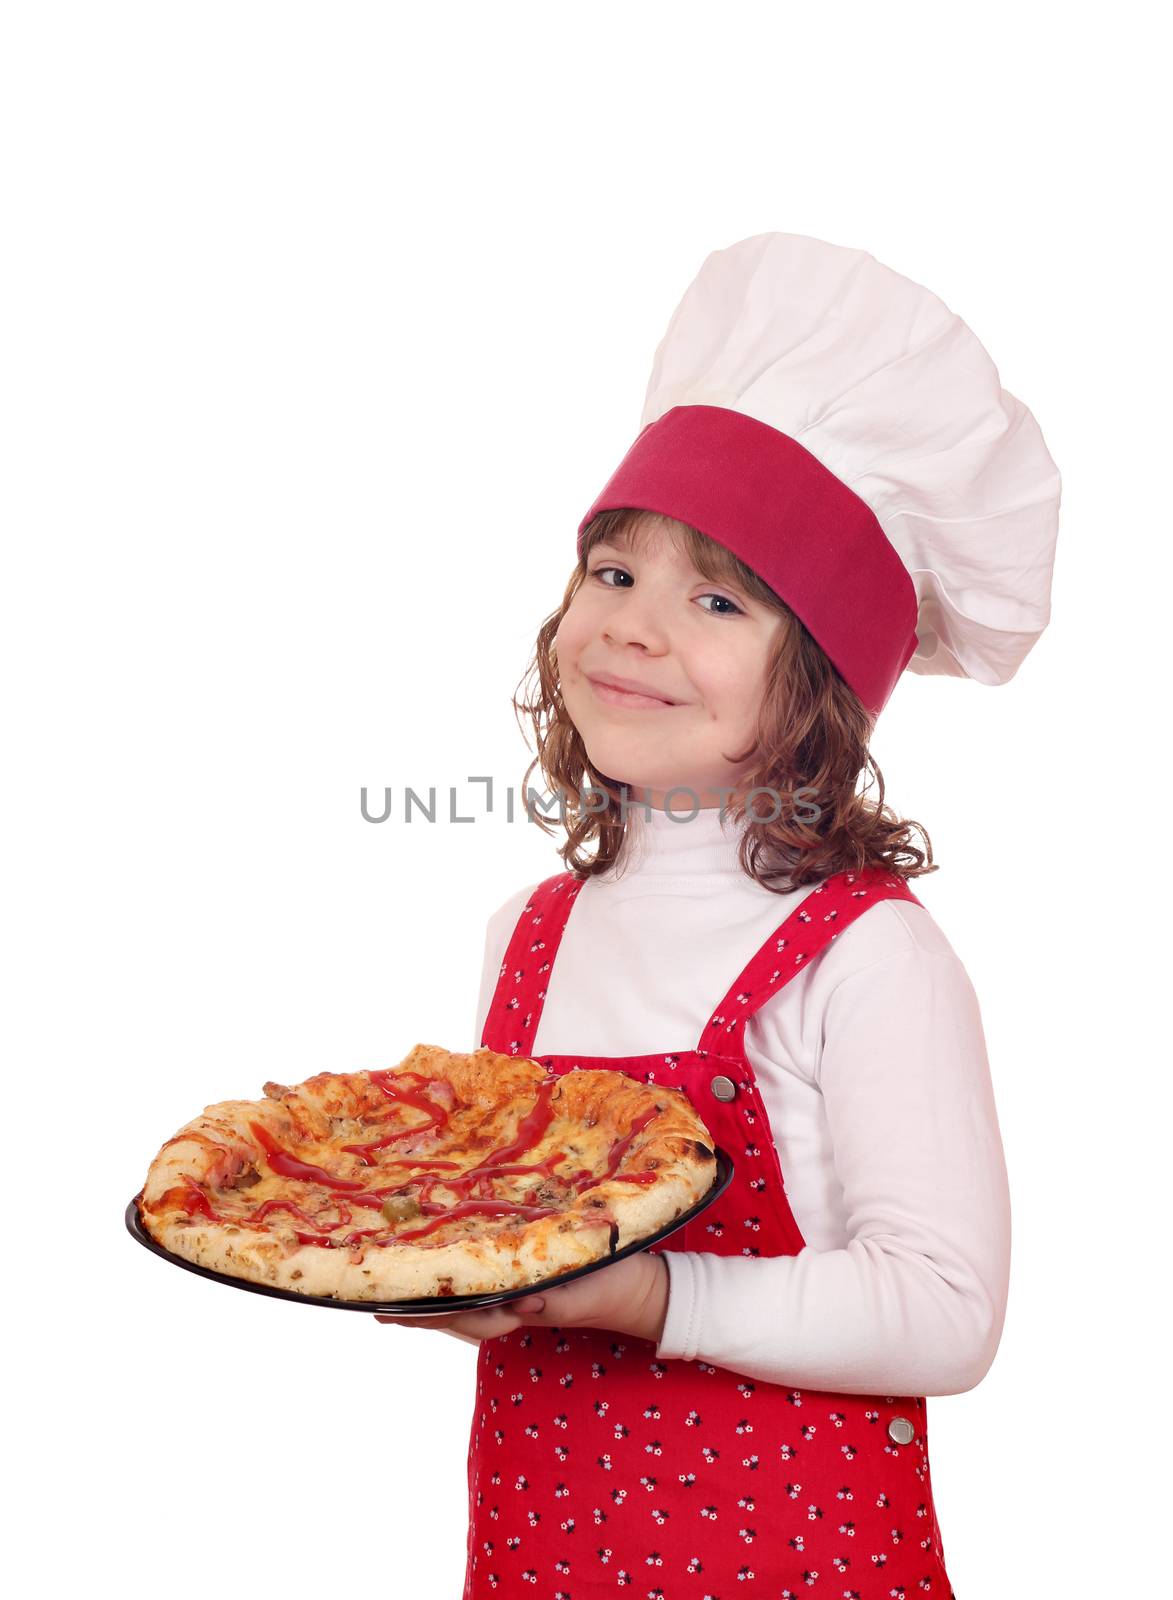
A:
625,697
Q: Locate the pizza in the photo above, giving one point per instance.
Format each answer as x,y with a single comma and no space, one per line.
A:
447,1175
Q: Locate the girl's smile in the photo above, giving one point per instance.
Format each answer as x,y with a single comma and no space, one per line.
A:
617,692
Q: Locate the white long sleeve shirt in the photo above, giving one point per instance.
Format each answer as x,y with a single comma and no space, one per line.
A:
873,1069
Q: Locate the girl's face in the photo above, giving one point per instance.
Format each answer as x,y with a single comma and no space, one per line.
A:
650,618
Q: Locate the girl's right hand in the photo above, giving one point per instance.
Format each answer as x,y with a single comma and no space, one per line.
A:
473,1326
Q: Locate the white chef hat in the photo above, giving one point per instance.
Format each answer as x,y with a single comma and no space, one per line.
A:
844,433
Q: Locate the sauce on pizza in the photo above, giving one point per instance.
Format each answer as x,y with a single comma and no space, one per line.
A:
192,1198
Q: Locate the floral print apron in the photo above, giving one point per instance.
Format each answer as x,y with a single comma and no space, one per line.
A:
595,1467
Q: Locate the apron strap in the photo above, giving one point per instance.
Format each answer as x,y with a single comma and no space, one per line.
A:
792,947
512,1021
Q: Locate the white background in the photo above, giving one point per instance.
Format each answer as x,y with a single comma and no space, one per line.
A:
322,328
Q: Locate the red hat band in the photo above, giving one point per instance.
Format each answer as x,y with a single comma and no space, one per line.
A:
772,503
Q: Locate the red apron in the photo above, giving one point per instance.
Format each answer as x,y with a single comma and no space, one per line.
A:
593,1466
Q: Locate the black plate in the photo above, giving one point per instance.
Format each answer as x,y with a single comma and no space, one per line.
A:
431,1306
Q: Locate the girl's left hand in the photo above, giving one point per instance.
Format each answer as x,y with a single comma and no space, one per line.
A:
631,1297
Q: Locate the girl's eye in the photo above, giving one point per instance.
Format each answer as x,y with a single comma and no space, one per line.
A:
597,572
734,611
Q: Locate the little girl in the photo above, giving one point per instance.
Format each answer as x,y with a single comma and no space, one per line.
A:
830,486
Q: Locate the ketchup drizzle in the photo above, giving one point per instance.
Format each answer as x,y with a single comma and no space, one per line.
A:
192,1199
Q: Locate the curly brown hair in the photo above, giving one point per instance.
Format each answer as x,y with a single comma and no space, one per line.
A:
812,736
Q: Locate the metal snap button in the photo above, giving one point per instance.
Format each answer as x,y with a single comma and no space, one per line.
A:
723,1088
901,1431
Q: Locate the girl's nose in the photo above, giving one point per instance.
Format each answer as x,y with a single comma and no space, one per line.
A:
639,622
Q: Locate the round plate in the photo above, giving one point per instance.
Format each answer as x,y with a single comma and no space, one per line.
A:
431,1306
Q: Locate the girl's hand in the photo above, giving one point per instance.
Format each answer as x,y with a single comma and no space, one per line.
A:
631,1297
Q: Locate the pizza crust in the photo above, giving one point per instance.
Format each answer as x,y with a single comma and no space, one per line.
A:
218,1163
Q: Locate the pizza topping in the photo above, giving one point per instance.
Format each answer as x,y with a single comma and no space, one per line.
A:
270,1206
586,1179
493,1208
290,1167
223,1161
480,1175
400,1095
318,1209
189,1197
364,1151
532,1126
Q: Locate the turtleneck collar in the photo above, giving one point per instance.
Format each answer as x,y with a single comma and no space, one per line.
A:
659,844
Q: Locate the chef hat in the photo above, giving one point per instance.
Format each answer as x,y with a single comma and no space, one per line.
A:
843,432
